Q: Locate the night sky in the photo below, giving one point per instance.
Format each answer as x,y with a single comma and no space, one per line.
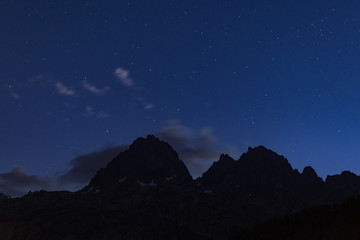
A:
80,80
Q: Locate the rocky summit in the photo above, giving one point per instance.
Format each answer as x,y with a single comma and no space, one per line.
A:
146,192
148,162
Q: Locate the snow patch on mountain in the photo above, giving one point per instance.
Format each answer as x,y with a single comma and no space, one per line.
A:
142,184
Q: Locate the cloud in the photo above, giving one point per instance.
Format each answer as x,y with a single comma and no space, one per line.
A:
123,75
102,114
11,89
64,90
149,106
15,95
84,167
146,105
93,89
18,182
89,111
36,78
197,148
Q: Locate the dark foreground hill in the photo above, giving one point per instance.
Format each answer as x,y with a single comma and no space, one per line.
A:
318,223
146,192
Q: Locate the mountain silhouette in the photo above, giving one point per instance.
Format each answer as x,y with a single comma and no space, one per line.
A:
148,162
256,170
146,192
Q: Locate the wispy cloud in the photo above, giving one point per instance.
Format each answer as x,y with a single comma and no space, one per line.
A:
93,89
17,182
198,148
102,114
89,111
146,105
84,167
15,95
124,76
63,89
36,78
149,106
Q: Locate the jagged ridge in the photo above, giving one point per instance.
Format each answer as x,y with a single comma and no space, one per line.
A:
147,192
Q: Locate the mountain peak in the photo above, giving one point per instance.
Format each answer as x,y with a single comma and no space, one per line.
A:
258,148
348,173
260,152
262,158
225,158
309,172
150,140
148,162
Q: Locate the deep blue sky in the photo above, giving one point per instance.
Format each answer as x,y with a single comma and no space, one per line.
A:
77,76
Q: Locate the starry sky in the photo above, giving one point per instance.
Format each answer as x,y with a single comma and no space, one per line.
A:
80,80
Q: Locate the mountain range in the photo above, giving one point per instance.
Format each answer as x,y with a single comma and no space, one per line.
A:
146,192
